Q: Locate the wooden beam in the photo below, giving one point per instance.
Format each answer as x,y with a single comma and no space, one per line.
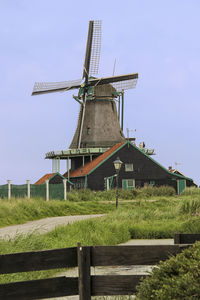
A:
84,283
186,238
40,260
132,255
114,285
39,289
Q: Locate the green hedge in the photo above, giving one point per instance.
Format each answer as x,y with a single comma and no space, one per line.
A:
176,278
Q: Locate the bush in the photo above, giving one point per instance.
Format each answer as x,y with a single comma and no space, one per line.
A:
150,191
176,278
105,195
81,195
145,192
128,194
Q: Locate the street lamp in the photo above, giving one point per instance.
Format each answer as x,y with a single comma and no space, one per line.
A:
117,164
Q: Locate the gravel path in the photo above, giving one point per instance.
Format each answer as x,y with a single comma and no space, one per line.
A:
41,226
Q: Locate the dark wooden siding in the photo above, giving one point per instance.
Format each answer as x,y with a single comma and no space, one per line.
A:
56,180
78,182
145,170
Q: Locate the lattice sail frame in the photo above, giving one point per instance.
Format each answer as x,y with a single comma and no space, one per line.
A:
51,86
125,85
96,48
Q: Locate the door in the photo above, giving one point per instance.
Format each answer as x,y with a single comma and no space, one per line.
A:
181,185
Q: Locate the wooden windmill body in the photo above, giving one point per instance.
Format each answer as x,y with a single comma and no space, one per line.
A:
98,126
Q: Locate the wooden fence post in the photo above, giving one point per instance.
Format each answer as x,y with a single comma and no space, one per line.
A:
28,189
84,279
177,238
9,188
47,190
65,188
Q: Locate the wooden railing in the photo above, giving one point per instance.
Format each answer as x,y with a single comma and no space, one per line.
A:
84,285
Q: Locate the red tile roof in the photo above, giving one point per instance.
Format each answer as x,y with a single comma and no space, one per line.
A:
45,177
84,170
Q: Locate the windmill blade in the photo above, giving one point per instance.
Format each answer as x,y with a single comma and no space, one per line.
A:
86,65
115,80
125,85
52,87
93,48
96,48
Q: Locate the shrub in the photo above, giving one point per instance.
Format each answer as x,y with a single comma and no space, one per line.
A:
150,191
81,195
105,195
128,194
176,278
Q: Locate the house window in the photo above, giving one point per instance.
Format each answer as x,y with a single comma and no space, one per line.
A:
128,167
128,184
152,182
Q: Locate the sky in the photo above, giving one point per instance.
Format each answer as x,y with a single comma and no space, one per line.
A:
45,41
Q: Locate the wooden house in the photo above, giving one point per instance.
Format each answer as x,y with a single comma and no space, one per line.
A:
138,169
54,178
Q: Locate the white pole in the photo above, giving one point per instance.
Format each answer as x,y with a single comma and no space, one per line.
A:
65,188
47,190
107,184
28,189
9,189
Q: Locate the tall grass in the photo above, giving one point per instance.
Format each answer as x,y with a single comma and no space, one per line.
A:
18,211
191,191
190,206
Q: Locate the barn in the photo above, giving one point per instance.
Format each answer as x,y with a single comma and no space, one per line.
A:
138,169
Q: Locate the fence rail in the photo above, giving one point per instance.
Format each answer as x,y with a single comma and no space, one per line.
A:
84,257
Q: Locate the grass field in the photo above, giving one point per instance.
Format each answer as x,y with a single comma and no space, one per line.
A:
19,211
144,214
140,218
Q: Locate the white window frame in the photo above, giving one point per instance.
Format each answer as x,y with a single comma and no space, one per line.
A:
129,167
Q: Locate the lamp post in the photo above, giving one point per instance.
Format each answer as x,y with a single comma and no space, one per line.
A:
117,164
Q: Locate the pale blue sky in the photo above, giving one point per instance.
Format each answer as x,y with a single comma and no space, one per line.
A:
45,41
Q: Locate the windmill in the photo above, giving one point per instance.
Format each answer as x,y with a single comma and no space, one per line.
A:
98,123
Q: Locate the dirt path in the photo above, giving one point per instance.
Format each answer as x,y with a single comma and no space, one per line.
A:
41,226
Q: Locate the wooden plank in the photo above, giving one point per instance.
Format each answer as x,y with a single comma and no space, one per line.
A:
39,289
186,238
40,260
84,282
114,285
132,255
176,238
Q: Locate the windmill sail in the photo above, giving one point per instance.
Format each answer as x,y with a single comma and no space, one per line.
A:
96,48
93,48
52,87
125,85
113,79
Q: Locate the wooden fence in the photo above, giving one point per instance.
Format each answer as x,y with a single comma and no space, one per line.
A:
84,285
